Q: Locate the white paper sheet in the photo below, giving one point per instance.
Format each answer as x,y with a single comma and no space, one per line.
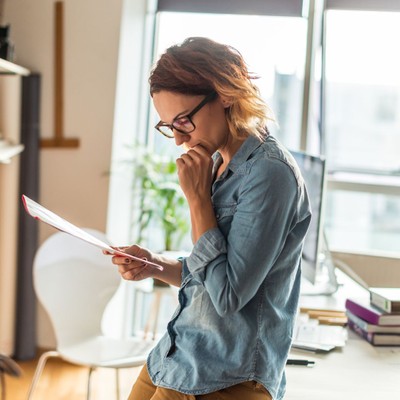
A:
42,214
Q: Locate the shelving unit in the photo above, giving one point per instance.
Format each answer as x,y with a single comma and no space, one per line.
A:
11,83
9,68
9,149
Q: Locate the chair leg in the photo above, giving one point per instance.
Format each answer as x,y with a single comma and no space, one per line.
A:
3,386
117,383
156,313
153,315
91,369
39,369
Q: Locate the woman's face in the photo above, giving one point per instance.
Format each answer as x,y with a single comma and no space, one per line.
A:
211,126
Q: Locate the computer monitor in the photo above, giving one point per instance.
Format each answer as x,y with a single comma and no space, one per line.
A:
317,266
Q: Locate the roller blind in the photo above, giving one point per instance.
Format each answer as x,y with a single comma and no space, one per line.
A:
367,5
251,7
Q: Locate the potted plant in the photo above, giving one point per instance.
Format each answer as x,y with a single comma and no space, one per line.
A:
159,201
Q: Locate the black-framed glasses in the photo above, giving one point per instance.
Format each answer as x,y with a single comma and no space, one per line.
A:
184,124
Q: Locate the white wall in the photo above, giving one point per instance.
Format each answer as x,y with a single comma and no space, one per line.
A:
73,182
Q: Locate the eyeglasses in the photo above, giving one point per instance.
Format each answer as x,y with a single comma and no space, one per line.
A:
184,124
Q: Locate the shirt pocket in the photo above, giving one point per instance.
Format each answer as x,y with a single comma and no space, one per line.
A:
223,211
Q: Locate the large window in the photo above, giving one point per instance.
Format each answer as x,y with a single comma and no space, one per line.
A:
360,127
362,130
351,63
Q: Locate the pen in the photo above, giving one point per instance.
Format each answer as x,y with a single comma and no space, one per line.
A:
292,361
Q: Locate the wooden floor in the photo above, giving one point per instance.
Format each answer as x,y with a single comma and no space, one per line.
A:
63,381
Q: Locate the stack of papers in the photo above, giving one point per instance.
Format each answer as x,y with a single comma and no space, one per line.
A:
310,334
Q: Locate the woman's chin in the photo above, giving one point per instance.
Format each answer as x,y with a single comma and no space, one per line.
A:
186,147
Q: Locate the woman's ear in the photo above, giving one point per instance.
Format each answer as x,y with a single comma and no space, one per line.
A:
225,101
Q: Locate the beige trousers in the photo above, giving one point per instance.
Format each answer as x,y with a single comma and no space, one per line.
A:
143,389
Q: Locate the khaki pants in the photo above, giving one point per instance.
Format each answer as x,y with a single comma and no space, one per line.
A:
144,389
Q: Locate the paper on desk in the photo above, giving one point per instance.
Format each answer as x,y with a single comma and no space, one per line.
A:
309,334
42,214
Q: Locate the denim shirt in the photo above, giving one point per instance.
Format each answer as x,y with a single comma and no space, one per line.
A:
240,285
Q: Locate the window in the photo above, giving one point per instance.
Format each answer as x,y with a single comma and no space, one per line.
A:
362,130
355,106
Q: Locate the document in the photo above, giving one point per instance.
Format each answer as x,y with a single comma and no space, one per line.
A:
40,213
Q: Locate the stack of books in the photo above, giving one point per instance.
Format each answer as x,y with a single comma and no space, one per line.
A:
378,319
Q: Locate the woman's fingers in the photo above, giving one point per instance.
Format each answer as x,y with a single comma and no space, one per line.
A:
131,269
133,273
195,155
121,248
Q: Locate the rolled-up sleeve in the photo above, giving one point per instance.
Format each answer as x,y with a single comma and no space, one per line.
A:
209,246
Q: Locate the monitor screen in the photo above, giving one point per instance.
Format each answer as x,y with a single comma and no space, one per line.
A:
313,170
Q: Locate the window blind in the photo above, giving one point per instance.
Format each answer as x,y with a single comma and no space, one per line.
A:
363,5
250,7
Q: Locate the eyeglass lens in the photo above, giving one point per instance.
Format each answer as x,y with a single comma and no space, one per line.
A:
184,124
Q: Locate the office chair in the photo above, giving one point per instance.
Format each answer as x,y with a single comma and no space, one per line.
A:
74,282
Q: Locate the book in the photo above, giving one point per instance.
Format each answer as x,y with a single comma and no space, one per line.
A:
371,328
388,299
377,339
368,312
326,316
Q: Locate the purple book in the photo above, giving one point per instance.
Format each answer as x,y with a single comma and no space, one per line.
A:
369,313
377,339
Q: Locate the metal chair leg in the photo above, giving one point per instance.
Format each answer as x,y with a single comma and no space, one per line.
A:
39,369
153,314
91,369
117,383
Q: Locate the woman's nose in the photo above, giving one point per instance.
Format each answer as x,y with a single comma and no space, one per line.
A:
180,139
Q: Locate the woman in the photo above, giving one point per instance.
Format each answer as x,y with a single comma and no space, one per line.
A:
239,288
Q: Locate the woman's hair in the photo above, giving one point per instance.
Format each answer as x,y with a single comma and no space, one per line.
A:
200,66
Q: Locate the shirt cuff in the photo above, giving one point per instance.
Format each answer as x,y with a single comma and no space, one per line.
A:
209,246
185,269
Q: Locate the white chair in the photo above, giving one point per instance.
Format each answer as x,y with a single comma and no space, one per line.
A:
74,282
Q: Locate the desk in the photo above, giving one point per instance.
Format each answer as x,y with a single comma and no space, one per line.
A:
359,371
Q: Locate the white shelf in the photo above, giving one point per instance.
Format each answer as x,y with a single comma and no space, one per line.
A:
7,67
9,150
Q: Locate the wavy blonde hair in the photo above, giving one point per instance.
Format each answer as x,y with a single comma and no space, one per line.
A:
200,66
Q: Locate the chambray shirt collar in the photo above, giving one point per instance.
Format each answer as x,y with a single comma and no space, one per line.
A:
244,152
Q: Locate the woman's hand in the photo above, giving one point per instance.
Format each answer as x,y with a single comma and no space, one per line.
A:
194,173
133,270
